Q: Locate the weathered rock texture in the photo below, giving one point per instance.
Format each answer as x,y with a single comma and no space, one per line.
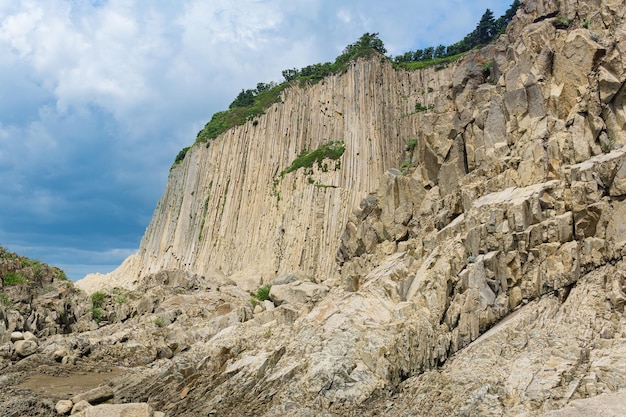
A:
489,281
220,208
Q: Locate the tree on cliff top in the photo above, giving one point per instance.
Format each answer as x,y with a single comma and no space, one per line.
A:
485,30
366,46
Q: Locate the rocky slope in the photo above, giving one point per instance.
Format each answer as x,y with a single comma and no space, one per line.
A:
487,279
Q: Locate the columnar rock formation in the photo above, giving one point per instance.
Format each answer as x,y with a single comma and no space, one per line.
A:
222,207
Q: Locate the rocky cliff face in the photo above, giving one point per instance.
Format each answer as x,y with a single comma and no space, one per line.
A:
225,206
487,279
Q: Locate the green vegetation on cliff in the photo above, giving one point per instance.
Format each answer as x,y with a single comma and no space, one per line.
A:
26,268
248,105
328,151
367,46
331,150
251,103
487,29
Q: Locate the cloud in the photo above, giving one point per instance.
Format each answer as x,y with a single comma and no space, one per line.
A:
97,98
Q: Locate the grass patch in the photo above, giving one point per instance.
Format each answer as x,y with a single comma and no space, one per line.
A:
607,145
159,322
263,293
486,68
96,314
331,150
307,159
14,278
419,107
438,62
324,186
36,264
97,299
60,274
562,22
411,144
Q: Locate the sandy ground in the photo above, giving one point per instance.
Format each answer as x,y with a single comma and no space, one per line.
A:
68,384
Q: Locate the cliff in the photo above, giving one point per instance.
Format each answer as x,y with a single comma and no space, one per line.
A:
223,209
485,279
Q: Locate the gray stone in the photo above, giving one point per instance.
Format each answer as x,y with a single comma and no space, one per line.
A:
248,281
15,336
30,336
25,347
64,407
95,396
605,405
297,292
79,407
119,410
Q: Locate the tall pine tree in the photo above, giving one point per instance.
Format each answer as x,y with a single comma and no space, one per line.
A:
486,28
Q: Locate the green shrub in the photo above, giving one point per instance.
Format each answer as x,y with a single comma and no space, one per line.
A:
14,278
60,274
404,168
238,115
96,314
331,150
5,300
263,293
562,22
181,155
97,299
419,107
411,144
159,322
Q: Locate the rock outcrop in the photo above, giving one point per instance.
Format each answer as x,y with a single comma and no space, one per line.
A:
486,277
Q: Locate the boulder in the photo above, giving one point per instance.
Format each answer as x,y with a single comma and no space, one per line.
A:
59,353
95,396
119,410
292,277
29,336
15,336
218,277
64,407
80,406
297,292
25,347
247,281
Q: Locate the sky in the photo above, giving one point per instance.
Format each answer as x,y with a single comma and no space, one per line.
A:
97,97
